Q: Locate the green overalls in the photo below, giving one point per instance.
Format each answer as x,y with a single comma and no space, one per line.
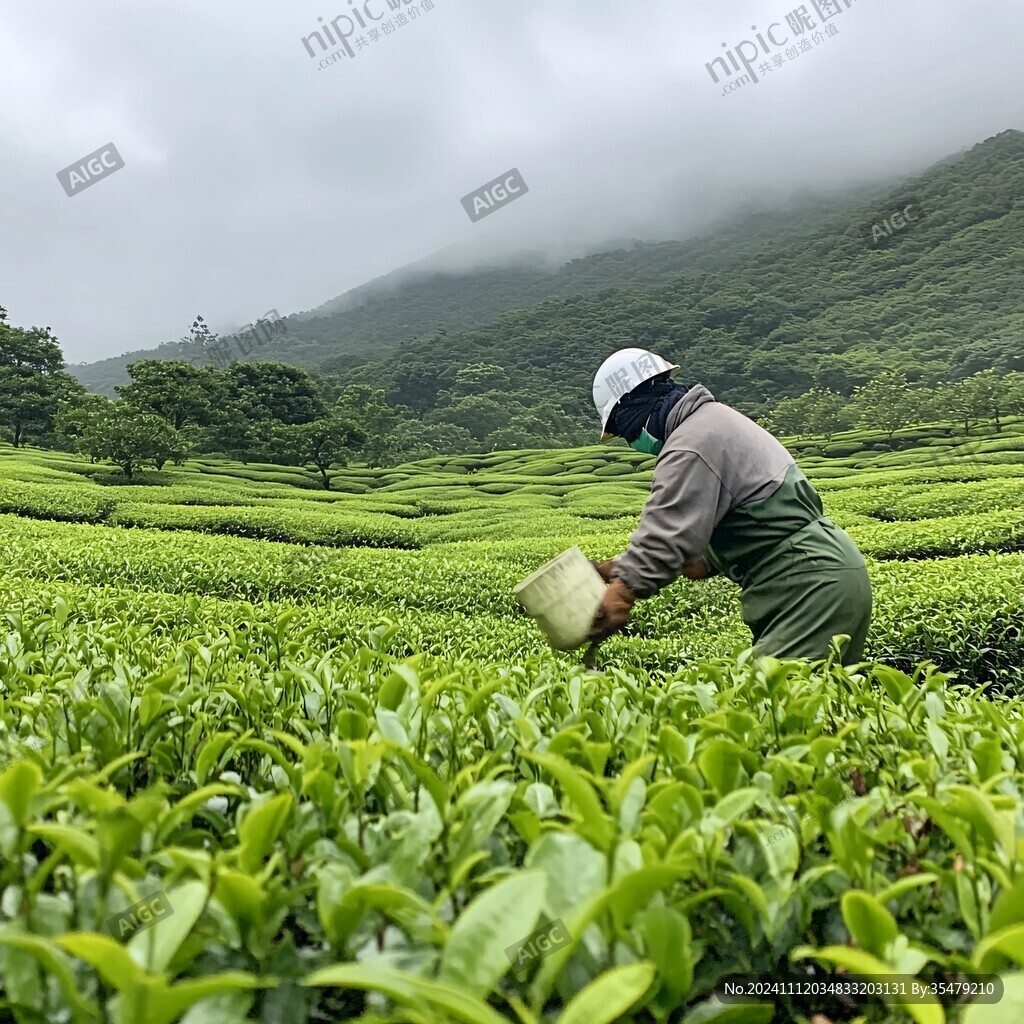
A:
803,579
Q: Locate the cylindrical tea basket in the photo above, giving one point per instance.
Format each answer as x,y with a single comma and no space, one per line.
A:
563,596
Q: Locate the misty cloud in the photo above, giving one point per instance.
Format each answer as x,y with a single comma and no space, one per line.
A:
254,177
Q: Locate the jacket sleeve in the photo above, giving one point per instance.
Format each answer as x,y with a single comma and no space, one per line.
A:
686,503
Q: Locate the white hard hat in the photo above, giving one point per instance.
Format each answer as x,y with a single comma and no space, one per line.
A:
619,374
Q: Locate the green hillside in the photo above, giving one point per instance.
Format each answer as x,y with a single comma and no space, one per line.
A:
814,303
766,306
313,737
419,301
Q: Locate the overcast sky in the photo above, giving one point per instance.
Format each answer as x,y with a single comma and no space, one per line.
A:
254,178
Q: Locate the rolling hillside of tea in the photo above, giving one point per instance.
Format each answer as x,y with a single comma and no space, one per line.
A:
275,753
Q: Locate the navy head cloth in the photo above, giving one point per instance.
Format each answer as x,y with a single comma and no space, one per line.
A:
645,406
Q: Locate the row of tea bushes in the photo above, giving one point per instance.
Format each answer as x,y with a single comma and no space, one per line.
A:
409,819
964,613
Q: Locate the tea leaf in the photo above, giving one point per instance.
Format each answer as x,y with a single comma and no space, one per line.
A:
407,989
260,829
925,1009
990,951
1008,1010
153,948
872,926
609,996
593,823
474,956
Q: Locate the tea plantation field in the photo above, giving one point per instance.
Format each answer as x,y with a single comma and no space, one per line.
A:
311,733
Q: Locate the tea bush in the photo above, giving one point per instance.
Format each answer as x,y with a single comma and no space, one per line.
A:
321,527
320,725
71,504
952,535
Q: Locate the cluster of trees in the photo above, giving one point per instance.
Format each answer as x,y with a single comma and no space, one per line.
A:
33,381
280,414
891,402
128,437
257,412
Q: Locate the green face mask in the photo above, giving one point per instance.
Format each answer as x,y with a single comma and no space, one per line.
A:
646,444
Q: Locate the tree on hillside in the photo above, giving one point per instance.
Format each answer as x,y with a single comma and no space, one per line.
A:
886,403
412,440
779,370
990,395
544,425
211,349
129,438
818,411
325,442
32,379
479,414
76,420
274,391
415,384
342,364
511,438
239,436
367,407
479,379
946,402
174,390
1015,392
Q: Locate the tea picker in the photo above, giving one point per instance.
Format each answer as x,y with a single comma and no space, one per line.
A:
727,499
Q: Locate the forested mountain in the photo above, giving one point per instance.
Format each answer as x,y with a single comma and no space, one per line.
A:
417,301
769,305
904,308
421,300
811,301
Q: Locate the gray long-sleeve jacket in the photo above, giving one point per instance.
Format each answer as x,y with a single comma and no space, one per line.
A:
714,460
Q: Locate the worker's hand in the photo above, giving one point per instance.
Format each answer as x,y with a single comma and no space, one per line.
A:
613,612
605,569
699,570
